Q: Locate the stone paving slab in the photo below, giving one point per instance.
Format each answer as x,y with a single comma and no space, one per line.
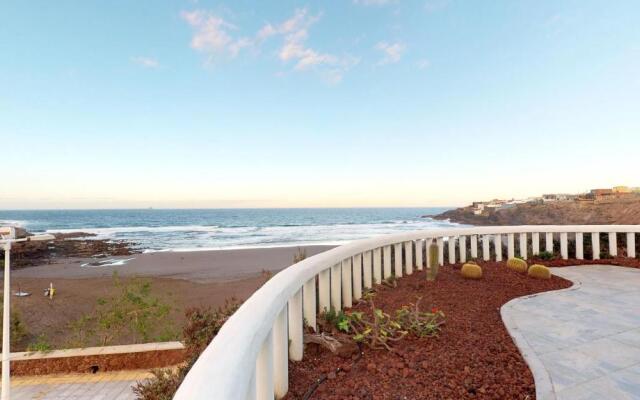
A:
100,386
582,342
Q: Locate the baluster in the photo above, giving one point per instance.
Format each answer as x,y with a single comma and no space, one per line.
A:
347,291
386,265
440,243
613,244
486,251
579,246
474,246
366,261
631,244
419,262
549,242
356,271
452,249
511,251
595,245
324,289
463,248
564,251
377,265
280,355
296,327
397,259
251,390
336,290
535,243
523,245
309,302
264,370
497,244
408,257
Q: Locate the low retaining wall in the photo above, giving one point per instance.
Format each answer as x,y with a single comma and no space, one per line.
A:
98,359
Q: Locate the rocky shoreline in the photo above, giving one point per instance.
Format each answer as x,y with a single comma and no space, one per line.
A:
67,245
623,211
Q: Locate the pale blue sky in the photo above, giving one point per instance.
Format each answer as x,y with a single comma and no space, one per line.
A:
316,103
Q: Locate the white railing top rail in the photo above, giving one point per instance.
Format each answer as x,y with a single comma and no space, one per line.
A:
225,368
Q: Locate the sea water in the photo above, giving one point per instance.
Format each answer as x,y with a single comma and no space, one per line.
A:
212,229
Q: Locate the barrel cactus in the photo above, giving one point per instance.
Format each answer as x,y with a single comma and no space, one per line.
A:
517,264
434,261
539,272
471,271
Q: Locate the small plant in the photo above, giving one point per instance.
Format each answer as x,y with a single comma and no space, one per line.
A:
17,328
471,271
420,323
376,333
300,255
546,255
434,261
605,256
391,281
517,264
539,272
337,320
40,345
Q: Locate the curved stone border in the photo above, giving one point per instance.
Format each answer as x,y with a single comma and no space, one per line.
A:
544,385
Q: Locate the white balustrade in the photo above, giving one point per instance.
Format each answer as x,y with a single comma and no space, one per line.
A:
523,245
419,250
408,257
511,247
535,243
452,249
248,358
613,244
579,246
386,261
497,244
595,245
356,273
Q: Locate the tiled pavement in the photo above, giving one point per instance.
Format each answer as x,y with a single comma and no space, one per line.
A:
583,342
100,386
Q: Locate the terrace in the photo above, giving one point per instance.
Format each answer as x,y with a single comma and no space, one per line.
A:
576,342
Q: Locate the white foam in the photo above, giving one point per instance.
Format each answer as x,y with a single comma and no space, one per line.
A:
107,263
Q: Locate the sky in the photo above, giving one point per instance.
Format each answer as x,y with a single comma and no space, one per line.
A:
120,104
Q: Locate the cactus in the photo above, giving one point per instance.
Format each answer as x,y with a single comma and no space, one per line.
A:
434,261
471,271
517,264
539,272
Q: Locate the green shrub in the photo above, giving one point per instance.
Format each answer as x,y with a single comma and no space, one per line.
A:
539,272
471,271
41,344
517,264
546,255
18,330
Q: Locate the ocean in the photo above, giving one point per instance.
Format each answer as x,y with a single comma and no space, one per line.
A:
215,229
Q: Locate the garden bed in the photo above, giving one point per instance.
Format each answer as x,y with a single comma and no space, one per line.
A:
472,357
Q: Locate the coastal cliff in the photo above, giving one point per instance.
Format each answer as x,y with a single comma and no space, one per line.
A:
621,211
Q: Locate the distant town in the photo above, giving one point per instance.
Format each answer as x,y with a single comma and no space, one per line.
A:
594,195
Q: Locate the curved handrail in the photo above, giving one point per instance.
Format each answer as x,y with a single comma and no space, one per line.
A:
226,369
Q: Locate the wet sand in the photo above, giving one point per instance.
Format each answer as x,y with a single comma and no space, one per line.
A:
195,266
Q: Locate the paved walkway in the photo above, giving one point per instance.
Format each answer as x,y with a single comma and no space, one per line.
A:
100,386
582,342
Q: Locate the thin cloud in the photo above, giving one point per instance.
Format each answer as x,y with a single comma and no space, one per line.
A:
436,5
295,32
423,64
374,2
212,35
392,52
146,62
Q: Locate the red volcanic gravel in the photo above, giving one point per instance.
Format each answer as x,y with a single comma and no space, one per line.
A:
473,356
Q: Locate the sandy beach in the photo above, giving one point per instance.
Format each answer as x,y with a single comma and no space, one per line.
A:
183,279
